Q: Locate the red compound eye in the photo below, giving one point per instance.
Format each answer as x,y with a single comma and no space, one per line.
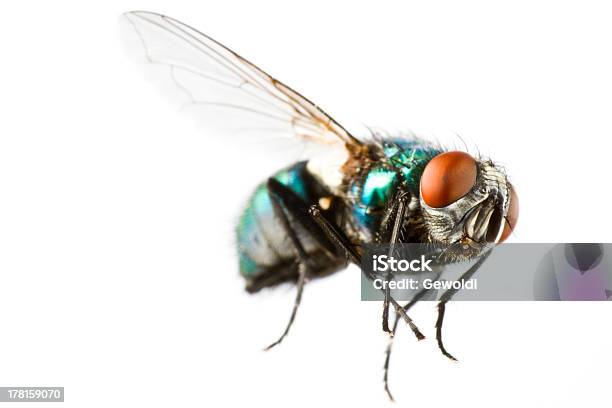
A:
512,216
447,177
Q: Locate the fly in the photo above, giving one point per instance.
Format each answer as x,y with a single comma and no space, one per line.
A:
311,218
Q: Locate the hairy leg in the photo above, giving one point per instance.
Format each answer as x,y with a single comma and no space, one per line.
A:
448,295
285,203
354,256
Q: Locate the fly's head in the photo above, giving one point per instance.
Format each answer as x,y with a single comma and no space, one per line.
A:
467,204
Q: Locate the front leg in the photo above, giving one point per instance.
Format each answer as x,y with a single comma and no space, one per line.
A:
448,295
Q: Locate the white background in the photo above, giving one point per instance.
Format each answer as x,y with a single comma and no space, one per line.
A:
118,275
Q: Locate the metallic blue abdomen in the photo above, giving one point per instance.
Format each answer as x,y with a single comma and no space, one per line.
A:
262,242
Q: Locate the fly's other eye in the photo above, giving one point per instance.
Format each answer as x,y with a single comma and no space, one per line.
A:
447,177
512,215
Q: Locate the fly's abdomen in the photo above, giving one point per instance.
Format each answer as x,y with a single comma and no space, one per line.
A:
265,250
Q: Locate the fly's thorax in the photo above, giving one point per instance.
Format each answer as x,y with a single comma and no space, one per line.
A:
369,195
374,181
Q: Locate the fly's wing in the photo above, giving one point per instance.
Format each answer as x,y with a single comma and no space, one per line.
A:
227,91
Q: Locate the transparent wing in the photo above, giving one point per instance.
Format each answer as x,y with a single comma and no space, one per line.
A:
227,90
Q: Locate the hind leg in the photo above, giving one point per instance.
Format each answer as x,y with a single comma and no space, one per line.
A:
286,204
302,274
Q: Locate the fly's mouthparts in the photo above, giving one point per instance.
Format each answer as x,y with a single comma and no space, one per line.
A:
470,223
484,224
496,225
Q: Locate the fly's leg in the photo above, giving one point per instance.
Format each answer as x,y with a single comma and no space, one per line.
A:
446,296
343,243
302,270
439,322
284,202
287,204
402,206
420,294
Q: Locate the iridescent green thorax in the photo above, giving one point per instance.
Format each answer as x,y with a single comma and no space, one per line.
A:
378,186
403,164
410,157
